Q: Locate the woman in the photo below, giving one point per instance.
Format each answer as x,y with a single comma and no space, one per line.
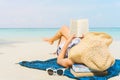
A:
66,42
91,50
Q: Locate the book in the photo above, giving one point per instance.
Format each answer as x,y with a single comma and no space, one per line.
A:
81,68
83,74
79,27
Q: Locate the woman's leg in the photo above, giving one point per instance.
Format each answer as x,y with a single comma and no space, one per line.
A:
61,35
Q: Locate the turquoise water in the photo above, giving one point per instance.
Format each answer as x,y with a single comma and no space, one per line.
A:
47,32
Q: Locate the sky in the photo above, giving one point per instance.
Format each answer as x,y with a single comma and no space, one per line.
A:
55,13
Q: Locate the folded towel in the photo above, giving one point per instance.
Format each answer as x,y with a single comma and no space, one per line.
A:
114,70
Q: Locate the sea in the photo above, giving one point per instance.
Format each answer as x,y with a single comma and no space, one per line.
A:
32,33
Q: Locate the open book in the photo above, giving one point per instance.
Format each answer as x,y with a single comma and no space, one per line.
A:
79,27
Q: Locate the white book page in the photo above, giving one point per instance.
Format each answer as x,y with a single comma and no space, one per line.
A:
82,26
79,27
73,27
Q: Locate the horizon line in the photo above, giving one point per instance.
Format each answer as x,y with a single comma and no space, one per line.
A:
46,27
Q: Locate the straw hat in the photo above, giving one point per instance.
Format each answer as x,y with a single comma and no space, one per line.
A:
93,51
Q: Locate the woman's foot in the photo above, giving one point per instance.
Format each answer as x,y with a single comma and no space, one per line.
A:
53,53
48,40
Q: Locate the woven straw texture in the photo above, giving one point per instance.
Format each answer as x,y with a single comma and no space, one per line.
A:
93,51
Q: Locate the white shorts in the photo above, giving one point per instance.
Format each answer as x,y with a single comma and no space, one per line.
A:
73,43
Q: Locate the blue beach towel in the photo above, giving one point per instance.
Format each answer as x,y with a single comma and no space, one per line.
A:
43,65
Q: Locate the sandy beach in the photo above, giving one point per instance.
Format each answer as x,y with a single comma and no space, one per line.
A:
15,51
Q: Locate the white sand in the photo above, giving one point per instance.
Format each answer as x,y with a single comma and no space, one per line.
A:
14,52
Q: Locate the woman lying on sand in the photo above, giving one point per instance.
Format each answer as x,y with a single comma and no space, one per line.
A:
64,41
73,45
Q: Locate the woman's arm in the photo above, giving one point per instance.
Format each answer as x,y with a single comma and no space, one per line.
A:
65,62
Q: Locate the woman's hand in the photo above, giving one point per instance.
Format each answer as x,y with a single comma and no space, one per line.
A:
82,36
